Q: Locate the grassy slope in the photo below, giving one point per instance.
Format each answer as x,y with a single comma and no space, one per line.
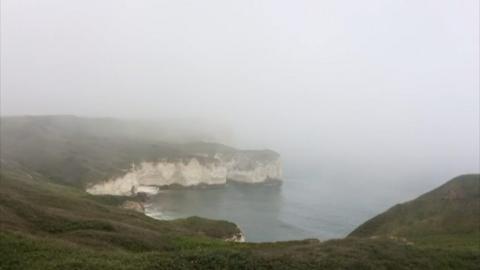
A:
77,151
49,226
28,252
447,215
29,203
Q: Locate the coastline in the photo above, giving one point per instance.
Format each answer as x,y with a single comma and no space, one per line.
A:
140,204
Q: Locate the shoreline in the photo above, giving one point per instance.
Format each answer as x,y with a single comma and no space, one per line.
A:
139,203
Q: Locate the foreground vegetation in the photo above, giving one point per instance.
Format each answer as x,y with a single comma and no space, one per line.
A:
27,252
49,226
451,209
47,221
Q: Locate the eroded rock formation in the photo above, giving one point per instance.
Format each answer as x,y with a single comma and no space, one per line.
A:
199,169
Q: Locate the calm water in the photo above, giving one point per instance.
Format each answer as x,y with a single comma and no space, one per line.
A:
300,208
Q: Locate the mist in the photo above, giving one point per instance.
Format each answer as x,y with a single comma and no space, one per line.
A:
383,91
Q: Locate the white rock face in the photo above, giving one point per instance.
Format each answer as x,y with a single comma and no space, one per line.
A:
149,190
238,237
147,176
256,173
124,186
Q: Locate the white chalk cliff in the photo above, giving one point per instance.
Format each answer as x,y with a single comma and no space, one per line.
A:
199,169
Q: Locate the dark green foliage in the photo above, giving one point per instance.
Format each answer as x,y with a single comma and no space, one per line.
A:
30,252
208,227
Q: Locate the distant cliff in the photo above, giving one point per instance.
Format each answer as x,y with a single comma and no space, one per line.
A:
202,169
110,156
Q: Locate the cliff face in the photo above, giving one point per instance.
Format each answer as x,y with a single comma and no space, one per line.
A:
97,155
248,169
202,169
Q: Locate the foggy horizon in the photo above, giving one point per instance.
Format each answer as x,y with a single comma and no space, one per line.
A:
257,134
379,86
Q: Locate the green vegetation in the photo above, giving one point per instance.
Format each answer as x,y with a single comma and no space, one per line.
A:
48,222
37,206
45,225
78,151
35,253
448,216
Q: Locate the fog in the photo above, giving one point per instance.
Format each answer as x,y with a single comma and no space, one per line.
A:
383,91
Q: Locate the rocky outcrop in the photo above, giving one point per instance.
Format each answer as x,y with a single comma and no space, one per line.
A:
199,169
237,237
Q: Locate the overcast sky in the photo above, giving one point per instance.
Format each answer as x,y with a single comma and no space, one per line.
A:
367,82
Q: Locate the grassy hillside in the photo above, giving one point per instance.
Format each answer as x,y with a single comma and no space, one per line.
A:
77,151
29,203
47,221
49,226
449,214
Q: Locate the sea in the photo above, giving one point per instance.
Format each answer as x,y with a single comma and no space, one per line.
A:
302,207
